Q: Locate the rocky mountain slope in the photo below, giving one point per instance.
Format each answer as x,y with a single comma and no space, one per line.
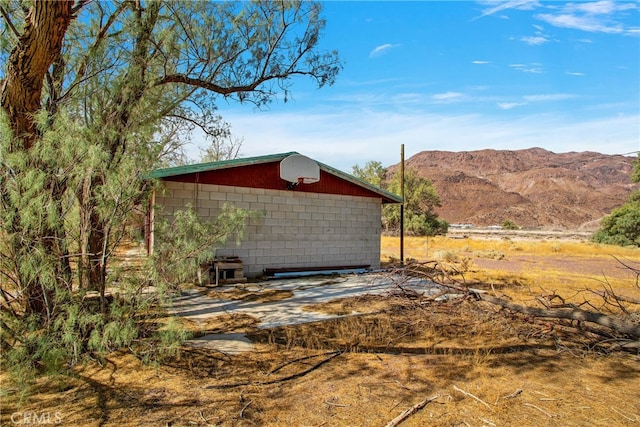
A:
534,188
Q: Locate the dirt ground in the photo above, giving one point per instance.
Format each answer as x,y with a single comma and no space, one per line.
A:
469,363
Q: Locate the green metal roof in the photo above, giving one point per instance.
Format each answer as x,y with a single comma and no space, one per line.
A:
210,166
226,164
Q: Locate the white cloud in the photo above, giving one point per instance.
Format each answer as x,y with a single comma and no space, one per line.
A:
356,135
481,62
534,68
583,23
596,17
574,73
549,97
510,105
447,96
382,49
604,7
534,41
511,4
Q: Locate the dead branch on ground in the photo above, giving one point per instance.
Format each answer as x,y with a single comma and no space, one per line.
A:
466,393
299,359
279,380
407,413
607,316
616,324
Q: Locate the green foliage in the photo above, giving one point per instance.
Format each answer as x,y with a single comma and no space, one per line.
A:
510,225
186,241
131,85
635,174
420,201
622,226
166,342
373,172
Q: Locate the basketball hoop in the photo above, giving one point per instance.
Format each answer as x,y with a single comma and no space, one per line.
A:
298,169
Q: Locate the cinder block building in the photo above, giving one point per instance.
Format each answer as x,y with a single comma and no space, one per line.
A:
313,216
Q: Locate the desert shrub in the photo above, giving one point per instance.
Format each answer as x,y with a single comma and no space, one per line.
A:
186,240
491,254
622,226
509,225
466,264
446,256
88,325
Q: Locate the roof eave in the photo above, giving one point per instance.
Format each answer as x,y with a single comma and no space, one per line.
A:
225,164
386,196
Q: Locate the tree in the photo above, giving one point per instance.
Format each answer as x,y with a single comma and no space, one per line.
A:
420,200
35,49
222,146
507,224
622,226
91,104
373,172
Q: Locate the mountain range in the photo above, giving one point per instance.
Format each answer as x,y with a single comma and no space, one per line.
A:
533,188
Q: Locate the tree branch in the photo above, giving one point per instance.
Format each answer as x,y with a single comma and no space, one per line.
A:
7,19
619,325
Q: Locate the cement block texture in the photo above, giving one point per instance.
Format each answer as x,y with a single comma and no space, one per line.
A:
294,229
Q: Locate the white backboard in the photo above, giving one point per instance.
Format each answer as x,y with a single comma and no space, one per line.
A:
299,169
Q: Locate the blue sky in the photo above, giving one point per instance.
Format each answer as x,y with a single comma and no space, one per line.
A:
460,76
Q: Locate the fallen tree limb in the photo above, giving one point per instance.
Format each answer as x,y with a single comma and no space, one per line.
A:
299,359
619,325
408,412
279,380
609,294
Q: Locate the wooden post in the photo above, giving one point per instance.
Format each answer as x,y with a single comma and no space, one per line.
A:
402,205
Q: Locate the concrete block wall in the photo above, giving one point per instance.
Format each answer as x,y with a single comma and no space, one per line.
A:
296,229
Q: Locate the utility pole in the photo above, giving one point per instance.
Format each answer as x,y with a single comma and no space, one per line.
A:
402,205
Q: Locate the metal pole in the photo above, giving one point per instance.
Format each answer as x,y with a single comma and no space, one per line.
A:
402,205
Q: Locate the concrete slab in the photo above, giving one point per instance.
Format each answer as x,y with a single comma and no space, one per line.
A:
196,305
233,343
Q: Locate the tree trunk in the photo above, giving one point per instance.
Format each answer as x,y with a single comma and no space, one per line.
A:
38,47
96,258
21,98
125,102
622,326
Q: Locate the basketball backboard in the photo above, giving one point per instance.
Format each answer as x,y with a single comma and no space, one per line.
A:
299,169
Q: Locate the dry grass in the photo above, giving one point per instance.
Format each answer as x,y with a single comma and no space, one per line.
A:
519,373
421,248
487,366
526,269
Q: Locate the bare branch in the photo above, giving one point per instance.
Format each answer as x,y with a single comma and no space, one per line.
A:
407,413
7,19
619,325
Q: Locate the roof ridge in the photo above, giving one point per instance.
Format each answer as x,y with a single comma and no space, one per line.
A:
220,164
